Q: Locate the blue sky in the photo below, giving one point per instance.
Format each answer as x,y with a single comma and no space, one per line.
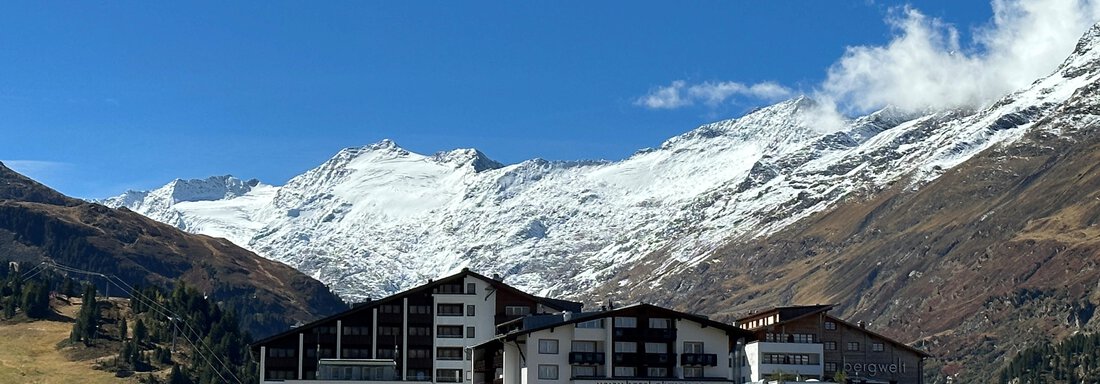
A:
100,97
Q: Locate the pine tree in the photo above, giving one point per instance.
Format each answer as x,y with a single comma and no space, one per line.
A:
68,288
9,307
87,320
122,329
140,332
177,377
36,301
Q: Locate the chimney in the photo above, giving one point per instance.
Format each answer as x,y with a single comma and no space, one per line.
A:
862,324
497,277
566,316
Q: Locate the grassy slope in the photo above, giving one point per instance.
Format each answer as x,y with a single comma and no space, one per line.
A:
29,354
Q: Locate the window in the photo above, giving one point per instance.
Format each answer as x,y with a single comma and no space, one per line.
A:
420,331
325,352
389,331
450,288
626,322
794,359
830,367
356,331
877,347
448,353
624,371
584,346
420,310
282,375
471,310
853,345
660,323
449,309
280,352
517,310
390,308
804,338
355,353
548,372
387,353
548,346
693,372
449,331
419,354
830,345
598,323
584,371
830,325
693,347
448,375
470,334
656,348
471,288
469,353
325,330
418,375
625,346
656,371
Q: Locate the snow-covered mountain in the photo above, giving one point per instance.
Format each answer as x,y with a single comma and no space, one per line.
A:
376,219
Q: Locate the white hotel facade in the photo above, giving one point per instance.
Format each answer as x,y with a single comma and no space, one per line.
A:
468,328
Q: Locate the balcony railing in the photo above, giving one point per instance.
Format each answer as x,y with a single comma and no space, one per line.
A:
586,358
703,359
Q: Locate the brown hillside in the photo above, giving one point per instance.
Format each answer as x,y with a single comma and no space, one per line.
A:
997,254
270,295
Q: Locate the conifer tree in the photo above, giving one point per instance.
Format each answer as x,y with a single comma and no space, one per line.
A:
122,329
9,307
87,320
36,301
177,377
140,332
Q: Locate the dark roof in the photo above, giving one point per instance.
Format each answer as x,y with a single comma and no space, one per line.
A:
563,305
797,312
880,336
788,313
536,323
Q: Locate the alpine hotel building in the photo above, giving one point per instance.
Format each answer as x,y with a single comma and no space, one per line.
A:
468,328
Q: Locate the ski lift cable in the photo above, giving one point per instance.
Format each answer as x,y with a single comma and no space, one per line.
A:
128,289
155,303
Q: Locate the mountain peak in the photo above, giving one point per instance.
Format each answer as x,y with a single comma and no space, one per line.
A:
383,147
780,122
385,144
210,188
467,156
1085,56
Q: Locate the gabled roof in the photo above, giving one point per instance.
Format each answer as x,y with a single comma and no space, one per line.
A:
880,336
562,305
788,313
792,313
537,323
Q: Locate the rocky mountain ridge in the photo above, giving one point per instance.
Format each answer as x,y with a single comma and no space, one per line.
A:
376,219
970,232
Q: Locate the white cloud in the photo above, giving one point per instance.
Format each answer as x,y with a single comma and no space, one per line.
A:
679,94
926,66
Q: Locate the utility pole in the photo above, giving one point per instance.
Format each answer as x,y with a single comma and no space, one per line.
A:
174,328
